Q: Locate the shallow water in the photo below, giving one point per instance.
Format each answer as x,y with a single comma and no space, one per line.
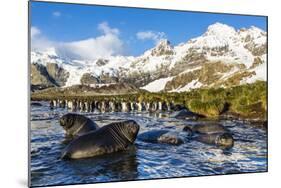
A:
145,160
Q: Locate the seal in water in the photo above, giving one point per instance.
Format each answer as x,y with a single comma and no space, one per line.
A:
206,128
108,139
211,133
77,125
161,136
223,140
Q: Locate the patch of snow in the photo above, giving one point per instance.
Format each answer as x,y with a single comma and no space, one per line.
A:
229,74
157,85
260,74
217,35
191,70
191,85
75,75
257,35
100,85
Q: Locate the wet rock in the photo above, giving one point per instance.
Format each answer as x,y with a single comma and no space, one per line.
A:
178,107
36,104
188,129
88,79
185,114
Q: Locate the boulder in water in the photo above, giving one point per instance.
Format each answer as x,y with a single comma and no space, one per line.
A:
35,104
185,114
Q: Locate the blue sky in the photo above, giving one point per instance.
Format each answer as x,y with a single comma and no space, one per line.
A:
65,23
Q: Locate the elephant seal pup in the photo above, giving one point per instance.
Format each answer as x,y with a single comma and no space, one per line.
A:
161,136
77,125
206,128
223,140
108,139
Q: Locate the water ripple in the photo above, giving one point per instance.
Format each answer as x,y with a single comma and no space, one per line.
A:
145,160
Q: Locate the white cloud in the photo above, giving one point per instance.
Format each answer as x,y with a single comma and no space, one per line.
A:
38,41
151,35
92,48
56,14
107,44
34,31
104,28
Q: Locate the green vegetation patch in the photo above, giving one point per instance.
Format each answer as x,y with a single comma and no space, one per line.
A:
248,101
212,108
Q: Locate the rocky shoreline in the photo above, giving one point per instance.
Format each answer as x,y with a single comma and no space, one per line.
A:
246,102
175,110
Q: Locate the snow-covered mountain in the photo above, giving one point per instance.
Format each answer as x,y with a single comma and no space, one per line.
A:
221,57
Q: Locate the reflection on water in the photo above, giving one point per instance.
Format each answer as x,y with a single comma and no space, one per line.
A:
144,160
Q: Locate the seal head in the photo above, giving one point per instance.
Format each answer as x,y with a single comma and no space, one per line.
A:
67,120
76,124
225,141
128,129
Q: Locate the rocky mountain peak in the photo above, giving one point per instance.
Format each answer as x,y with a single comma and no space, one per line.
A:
164,43
217,35
163,47
240,54
101,62
220,30
253,35
253,30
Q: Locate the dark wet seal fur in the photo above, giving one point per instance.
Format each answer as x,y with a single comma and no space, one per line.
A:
222,140
211,133
111,138
161,136
206,128
76,124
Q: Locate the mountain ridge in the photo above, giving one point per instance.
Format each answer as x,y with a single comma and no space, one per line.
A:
220,57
